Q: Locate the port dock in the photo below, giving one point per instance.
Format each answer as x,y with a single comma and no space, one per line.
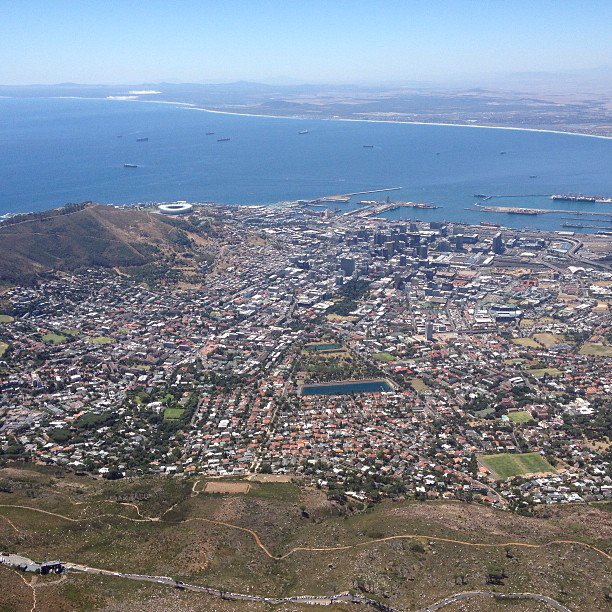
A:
554,196
379,208
344,198
515,210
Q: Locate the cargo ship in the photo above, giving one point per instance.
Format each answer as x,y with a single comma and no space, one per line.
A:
580,198
130,166
222,139
489,224
368,146
209,133
142,140
424,206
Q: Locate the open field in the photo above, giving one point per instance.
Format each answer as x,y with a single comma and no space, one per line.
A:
220,486
539,372
418,384
526,342
4,318
270,478
547,339
100,340
173,413
383,357
591,348
520,417
3,347
52,338
337,317
506,465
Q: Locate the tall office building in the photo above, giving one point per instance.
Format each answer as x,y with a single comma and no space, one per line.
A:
429,331
498,244
347,265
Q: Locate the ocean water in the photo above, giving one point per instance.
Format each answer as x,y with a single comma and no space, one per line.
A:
54,151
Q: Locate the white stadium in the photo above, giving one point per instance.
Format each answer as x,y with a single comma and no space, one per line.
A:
175,208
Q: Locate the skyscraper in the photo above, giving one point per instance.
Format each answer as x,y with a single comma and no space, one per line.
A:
347,265
429,331
498,244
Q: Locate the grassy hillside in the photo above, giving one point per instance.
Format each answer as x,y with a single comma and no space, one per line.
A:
407,554
83,236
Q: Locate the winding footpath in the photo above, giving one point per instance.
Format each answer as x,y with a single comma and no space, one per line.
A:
292,551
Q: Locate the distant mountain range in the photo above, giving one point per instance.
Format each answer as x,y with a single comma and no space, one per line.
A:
562,82
572,101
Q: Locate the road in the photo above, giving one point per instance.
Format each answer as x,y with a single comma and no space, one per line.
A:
311,600
10,560
497,596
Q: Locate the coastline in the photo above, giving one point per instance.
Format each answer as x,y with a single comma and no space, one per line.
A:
127,195
191,106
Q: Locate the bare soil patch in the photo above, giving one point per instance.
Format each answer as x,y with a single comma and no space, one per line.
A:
227,487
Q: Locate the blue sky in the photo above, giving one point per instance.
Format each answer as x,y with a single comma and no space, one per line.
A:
132,41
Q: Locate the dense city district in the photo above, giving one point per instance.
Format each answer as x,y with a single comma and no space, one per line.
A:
368,358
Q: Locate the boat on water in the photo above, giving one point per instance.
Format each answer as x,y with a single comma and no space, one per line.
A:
489,224
209,133
222,139
130,166
303,132
368,146
422,205
502,152
568,197
142,140
533,176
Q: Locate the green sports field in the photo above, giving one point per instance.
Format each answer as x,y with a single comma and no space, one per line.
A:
52,338
520,417
505,465
539,372
100,340
172,413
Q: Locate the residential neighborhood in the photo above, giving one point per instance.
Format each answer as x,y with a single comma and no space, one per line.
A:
367,357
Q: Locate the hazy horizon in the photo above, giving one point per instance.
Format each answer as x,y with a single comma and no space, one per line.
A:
344,42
